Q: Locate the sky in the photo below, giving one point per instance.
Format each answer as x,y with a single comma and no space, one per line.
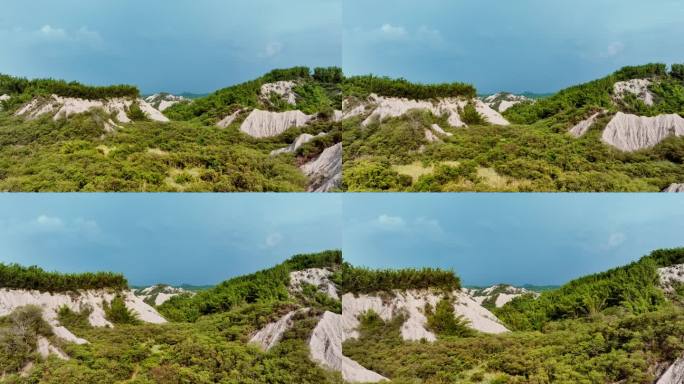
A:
500,45
159,45
166,238
539,239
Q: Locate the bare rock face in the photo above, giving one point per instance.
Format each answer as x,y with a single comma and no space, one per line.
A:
583,126
676,187
64,107
501,101
637,87
412,303
317,277
671,276
325,172
5,97
11,299
268,124
500,294
325,346
436,128
272,333
674,374
631,133
431,137
160,294
228,120
299,141
284,89
162,101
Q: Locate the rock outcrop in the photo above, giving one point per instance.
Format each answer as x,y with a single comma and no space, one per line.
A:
387,107
637,87
674,374
325,346
45,349
671,276
299,141
325,171
501,101
675,187
261,124
412,304
228,120
583,126
162,101
283,89
631,133
317,277
499,294
64,107
11,299
159,294
268,336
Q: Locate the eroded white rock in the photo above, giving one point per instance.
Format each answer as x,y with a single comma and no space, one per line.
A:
583,126
317,277
299,141
284,89
45,349
675,187
674,374
228,120
162,101
268,336
268,124
637,87
325,171
631,133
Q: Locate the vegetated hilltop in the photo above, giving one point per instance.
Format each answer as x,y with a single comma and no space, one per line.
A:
622,325
256,328
276,133
619,133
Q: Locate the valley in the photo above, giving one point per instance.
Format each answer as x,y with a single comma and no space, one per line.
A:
315,318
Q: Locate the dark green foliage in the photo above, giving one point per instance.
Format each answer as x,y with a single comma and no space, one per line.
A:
135,113
363,280
362,86
117,312
19,333
677,72
265,286
470,116
74,320
15,85
330,75
443,322
633,288
19,277
373,176
445,174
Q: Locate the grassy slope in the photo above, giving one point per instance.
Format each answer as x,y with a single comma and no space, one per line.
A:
212,348
189,154
622,340
536,154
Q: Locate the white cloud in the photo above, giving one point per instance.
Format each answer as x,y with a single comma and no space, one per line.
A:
616,239
614,49
50,32
48,222
393,32
81,36
272,49
390,222
273,239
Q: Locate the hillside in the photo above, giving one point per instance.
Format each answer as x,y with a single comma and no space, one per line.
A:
619,133
623,325
276,133
256,328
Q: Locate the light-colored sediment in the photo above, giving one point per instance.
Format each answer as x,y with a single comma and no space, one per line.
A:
261,124
325,171
631,133
637,87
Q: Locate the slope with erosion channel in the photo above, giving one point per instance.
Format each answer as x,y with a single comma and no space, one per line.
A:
619,133
58,136
623,325
255,326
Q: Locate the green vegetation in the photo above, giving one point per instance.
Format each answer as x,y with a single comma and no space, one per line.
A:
633,288
19,333
609,327
362,86
18,277
262,287
535,153
188,154
363,280
214,348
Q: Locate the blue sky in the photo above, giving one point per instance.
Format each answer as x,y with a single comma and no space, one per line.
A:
171,238
509,238
161,45
522,45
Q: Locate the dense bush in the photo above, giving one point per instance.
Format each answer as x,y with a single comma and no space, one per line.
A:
633,288
362,86
363,280
15,85
269,285
444,322
19,333
18,277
